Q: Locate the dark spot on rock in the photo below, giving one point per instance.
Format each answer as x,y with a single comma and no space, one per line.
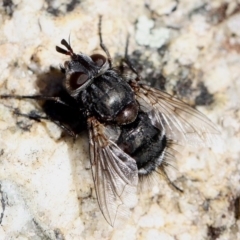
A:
215,232
237,208
199,10
1,152
68,7
72,5
204,98
183,87
58,234
24,125
8,7
3,203
220,14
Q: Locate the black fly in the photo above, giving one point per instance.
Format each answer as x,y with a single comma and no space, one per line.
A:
130,124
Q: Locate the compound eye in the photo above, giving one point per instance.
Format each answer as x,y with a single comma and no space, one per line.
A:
98,59
77,79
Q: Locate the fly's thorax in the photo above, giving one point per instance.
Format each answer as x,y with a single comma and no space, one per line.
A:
112,99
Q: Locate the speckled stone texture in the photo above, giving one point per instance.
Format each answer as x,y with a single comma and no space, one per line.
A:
189,48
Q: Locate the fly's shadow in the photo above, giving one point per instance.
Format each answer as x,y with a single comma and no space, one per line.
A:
65,112
55,105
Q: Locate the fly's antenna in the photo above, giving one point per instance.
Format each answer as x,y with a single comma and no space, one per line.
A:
67,45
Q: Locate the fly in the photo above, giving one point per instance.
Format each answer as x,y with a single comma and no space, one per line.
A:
131,125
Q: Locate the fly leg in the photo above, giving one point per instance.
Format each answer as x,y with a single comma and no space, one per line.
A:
33,115
34,97
102,45
165,175
128,62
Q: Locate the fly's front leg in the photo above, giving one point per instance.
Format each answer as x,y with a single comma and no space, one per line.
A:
34,97
33,115
102,45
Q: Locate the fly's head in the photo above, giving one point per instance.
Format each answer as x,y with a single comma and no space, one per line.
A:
81,69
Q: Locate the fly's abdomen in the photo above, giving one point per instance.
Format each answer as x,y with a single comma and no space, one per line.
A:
143,142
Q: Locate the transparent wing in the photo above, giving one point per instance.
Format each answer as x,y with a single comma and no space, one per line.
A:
182,123
115,173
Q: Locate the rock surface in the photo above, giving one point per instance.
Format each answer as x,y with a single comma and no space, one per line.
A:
192,48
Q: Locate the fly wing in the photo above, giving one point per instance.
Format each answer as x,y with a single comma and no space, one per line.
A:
183,124
115,173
